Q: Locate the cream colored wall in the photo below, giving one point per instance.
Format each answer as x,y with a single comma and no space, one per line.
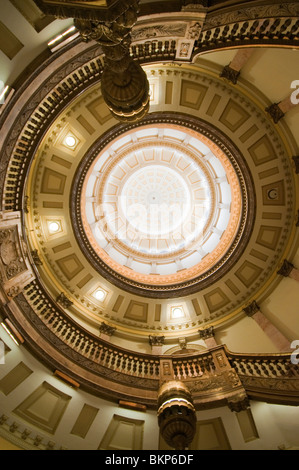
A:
34,43
277,426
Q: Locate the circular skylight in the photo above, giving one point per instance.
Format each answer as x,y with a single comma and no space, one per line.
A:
155,201
161,204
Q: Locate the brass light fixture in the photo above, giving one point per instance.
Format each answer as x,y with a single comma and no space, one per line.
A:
125,86
176,415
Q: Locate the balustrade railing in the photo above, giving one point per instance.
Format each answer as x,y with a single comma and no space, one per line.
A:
193,367
87,345
145,365
52,104
267,365
256,31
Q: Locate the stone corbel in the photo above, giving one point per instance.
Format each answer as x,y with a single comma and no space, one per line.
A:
288,270
296,164
232,71
230,74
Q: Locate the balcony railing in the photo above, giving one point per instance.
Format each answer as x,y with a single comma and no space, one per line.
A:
215,376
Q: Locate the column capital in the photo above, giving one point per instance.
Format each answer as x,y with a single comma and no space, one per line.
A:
286,268
240,404
251,309
156,340
207,333
296,163
106,329
275,112
230,74
64,301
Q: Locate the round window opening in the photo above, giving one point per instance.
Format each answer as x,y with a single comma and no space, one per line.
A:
162,206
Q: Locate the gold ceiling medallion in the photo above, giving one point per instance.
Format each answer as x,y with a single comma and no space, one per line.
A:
125,86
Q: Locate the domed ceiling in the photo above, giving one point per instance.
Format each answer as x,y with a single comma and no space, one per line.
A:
123,243
176,210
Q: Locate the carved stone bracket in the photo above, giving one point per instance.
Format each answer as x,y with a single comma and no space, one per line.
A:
206,333
36,259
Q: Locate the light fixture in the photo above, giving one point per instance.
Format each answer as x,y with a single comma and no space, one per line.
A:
100,295
54,227
70,141
60,39
3,92
177,312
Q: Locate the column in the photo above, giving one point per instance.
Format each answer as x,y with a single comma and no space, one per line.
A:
208,336
232,71
277,338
